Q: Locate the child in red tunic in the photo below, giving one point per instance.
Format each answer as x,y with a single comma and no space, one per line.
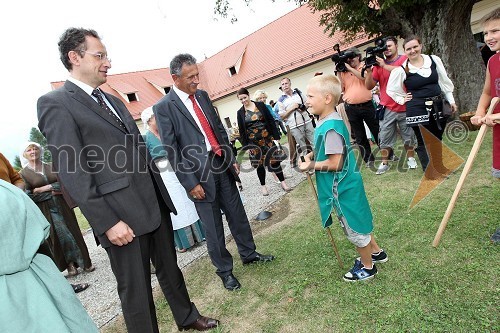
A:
491,25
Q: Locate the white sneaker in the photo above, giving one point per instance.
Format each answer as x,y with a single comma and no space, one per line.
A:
412,163
382,168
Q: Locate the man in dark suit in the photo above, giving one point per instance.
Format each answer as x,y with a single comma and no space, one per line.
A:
106,168
198,149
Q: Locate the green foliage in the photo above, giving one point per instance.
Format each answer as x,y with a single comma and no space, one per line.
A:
37,136
82,221
355,16
391,17
17,163
223,9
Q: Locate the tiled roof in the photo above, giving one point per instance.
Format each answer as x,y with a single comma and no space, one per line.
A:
121,86
146,85
293,41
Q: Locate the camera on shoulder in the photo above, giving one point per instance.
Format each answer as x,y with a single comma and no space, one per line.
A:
340,58
372,52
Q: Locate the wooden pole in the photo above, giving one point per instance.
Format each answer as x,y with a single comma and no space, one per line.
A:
465,172
328,231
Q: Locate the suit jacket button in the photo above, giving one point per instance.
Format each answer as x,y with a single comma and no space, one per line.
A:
202,141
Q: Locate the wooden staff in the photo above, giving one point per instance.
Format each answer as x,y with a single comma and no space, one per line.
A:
328,231
465,172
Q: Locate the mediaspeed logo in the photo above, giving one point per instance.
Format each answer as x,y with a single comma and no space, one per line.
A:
457,132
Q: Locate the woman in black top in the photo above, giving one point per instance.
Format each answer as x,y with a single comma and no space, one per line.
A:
429,102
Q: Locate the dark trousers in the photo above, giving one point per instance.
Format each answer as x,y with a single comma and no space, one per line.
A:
429,139
357,113
274,167
228,199
233,148
131,265
281,125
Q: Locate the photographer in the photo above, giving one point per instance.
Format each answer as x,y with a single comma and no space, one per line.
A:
391,115
358,103
293,111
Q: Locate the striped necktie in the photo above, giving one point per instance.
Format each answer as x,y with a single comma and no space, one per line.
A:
100,100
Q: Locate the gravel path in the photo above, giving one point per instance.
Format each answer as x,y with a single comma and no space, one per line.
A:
101,298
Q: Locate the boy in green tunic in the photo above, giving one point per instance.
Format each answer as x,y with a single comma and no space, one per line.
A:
339,182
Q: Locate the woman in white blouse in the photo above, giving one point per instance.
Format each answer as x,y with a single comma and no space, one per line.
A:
423,85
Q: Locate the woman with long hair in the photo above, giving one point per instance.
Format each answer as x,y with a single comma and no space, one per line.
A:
424,86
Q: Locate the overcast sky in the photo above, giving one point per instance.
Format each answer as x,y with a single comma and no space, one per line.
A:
138,35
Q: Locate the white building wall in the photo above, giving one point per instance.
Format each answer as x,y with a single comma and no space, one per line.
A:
228,106
479,10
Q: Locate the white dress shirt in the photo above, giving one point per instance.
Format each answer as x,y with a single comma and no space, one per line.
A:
88,89
296,118
189,106
395,85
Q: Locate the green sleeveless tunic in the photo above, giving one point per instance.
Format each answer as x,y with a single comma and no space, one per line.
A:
342,191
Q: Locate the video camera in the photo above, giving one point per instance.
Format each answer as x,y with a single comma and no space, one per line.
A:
341,57
372,52
301,106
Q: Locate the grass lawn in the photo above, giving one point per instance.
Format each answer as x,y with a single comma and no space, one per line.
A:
82,221
452,288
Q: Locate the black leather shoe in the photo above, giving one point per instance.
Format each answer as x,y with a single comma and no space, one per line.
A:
260,258
79,287
230,282
201,324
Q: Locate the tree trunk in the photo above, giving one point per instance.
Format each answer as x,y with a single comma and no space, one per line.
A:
444,34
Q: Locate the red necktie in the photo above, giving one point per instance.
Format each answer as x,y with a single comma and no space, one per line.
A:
212,139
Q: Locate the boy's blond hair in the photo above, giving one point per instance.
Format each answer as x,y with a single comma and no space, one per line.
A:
327,84
493,15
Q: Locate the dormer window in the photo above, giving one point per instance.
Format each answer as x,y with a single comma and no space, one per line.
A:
132,97
234,61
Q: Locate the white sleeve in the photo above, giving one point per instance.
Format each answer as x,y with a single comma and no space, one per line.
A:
281,108
395,87
444,81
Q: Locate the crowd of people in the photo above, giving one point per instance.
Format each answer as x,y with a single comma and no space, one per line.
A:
168,190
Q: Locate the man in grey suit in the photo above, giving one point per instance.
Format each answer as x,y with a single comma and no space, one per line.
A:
105,166
198,150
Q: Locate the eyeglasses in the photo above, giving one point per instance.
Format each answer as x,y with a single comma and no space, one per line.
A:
99,55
